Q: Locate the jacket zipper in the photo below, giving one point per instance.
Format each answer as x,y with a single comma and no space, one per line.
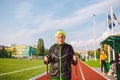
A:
60,52
60,63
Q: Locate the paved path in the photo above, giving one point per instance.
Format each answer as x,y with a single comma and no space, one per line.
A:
79,72
108,76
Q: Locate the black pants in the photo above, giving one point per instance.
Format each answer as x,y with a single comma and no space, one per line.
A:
103,65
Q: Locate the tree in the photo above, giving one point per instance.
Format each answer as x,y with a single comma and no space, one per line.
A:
5,53
40,47
91,53
98,53
14,51
46,51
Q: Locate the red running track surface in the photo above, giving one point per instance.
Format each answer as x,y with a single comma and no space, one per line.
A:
80,72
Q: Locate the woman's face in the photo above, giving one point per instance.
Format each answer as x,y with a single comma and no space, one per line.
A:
60,38
102,52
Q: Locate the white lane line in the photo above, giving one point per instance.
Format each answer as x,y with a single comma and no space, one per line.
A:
21,70
83,78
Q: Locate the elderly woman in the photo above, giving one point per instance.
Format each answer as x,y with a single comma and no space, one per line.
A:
61,56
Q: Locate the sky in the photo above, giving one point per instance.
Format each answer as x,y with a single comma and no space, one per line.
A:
23,22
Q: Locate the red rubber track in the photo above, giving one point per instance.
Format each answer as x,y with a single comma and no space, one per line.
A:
80,72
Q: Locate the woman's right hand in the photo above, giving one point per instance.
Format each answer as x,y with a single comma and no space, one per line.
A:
46,58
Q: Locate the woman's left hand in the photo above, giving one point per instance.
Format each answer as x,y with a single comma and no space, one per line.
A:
74,57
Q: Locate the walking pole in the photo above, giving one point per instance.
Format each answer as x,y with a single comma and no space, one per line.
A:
47,70
76,75
47,67
76,68
76,72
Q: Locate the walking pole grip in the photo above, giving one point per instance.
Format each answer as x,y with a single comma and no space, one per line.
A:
47,67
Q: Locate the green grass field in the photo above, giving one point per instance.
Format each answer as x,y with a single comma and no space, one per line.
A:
10,65
93,63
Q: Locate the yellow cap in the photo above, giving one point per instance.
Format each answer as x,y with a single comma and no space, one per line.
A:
60,32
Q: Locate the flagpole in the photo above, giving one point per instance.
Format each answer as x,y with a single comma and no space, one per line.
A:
112,18
86,52
107,22
112,29
108,45
94,38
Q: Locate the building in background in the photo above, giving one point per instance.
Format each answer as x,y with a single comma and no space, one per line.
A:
23,51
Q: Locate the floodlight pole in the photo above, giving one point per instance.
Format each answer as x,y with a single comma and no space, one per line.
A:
94,38
86,53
